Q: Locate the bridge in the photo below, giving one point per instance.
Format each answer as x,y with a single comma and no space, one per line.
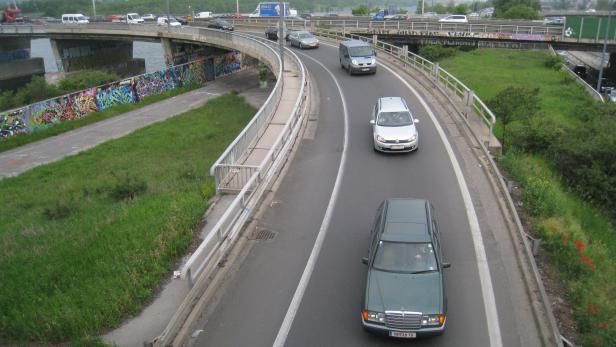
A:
319,212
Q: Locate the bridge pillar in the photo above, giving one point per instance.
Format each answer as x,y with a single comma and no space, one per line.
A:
106,55
16,66
611,67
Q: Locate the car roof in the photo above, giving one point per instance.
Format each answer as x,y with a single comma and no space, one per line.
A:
406,221
354,43
392,103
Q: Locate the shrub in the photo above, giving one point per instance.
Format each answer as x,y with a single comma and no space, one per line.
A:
86,79
437,52
127,188
553,62
521,11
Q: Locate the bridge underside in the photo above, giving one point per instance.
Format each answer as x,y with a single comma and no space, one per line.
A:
16,66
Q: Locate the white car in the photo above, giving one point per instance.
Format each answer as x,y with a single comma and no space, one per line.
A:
393,126
204,15
149,16
454,18
163,21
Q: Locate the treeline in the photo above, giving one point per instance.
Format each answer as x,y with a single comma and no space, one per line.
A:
38,89
55,8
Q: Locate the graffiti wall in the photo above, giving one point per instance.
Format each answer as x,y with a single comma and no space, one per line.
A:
80,104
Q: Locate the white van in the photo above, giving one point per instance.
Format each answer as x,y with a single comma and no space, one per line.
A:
134,18
204,15
74,18
162,20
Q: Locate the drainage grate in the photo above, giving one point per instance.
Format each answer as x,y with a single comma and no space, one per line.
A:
263,235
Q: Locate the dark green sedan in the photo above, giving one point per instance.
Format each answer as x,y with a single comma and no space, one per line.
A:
405,293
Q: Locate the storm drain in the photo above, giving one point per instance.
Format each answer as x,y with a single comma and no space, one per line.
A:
263,235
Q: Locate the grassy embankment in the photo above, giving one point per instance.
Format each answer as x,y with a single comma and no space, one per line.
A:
580,238
86,240
16,141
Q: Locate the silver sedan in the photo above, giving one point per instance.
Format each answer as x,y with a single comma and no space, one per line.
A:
303,39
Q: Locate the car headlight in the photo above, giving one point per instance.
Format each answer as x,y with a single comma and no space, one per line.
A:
373,316
379,138
433,320
413,138
354,62
373,61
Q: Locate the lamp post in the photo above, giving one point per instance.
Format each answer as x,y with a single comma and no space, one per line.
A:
168,17
93,8
607,29
281,34
237,7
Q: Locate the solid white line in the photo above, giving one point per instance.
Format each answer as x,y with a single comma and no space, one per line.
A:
487,290
283,332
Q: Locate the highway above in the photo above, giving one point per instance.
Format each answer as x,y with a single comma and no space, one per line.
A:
304,285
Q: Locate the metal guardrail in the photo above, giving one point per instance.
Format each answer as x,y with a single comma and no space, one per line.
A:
233,219
427,67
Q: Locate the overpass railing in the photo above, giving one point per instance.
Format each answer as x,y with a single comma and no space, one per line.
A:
433,70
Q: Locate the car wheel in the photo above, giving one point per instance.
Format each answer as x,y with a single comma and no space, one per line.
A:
341,65
301,46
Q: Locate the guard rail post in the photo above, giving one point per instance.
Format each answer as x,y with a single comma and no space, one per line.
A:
435,71
470,98
404,51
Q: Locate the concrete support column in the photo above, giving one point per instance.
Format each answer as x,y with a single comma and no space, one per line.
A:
167,50
16,66
105,55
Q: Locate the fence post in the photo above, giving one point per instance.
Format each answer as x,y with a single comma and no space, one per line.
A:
405,51
375,40
435,72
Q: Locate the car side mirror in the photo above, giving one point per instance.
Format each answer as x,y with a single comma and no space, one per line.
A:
415,120
446,265
364,260
346,55
372,122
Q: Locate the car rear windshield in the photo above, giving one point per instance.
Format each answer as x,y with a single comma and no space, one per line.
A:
394,119
405,257
362,51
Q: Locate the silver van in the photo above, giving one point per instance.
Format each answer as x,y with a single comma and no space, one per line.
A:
357,56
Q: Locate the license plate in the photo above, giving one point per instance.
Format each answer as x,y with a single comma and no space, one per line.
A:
365,69
397,147
403,334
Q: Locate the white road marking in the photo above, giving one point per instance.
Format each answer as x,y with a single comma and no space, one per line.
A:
489,302
285,327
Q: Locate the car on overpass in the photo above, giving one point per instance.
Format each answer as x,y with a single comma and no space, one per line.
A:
405,291
220,24
303,39
454,18
393,126
271,32
162,20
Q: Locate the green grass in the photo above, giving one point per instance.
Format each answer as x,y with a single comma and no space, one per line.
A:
561,218
489,71
86,240
20,140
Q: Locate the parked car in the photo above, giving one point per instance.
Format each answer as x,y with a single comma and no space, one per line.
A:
303,39
220,24
271,32
149,16
405,288
162,20
393,126
454,18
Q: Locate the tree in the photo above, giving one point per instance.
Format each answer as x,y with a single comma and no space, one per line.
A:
403,11
450,6
419,6
461,9
439,8
501,6
521,12
514,104
361,10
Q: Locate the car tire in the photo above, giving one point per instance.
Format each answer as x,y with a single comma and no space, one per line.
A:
301,46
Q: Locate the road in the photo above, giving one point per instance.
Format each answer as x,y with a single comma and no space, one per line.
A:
257,293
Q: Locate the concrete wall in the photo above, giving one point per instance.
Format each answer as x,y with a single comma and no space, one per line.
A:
106,55
16,66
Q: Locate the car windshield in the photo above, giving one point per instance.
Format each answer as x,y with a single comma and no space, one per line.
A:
223,22
405,257
362,51
394,119
304,35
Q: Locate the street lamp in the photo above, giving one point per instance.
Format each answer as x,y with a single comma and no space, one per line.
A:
281,34
168,17
607,29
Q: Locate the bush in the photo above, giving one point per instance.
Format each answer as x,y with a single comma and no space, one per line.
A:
437,52
554,62
127,188
521,11
59,210
84,80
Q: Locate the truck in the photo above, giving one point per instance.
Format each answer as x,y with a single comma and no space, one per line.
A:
270,9
12,15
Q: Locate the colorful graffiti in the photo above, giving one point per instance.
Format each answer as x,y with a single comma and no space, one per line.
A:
80,104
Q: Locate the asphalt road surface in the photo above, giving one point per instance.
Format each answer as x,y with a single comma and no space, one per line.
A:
256,296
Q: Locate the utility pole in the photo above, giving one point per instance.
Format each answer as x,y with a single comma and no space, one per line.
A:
237,7
607,29
281,33
168,17
93,8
